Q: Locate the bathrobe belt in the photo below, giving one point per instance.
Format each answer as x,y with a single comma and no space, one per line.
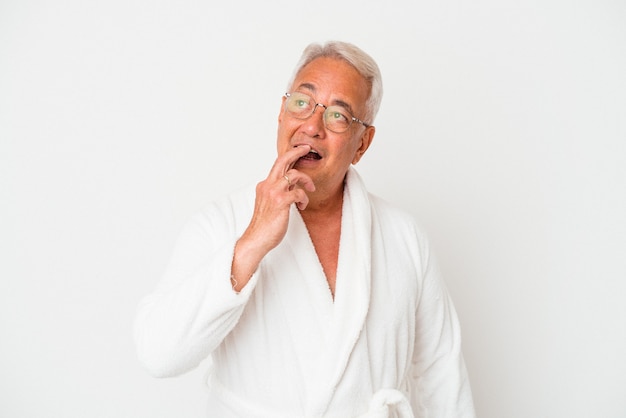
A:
384,399
385,403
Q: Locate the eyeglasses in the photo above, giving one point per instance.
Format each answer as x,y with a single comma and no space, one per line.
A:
336,118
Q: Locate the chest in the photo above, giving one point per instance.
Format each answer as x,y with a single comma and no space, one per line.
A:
325,237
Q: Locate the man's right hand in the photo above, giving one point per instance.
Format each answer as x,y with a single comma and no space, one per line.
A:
283,187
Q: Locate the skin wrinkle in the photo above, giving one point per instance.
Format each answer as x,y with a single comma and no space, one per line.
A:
335,102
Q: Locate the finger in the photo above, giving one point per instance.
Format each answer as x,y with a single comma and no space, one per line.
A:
295,154
295,177
286,161
301,199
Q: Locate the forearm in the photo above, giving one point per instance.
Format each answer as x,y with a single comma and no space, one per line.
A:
246,259
193,308
177,327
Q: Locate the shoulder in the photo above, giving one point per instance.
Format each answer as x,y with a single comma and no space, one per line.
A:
391,213
400,226
225,213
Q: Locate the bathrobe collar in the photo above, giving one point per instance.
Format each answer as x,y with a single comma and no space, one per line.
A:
338,324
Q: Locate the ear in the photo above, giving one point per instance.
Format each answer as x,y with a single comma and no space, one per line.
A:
366,141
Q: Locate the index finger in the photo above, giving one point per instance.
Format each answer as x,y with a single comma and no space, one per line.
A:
286,161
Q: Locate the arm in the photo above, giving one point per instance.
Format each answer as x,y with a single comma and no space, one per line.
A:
196,305
193,307
439,383
283,187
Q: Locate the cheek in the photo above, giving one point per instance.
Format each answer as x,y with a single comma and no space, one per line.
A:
353,151
286,126
352,146
282,129
284,133
345,154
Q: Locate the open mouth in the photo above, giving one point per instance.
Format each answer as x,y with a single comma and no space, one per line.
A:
312,156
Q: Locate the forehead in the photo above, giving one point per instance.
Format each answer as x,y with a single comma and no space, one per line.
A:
331,79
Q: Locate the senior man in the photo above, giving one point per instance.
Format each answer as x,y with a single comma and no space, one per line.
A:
312,297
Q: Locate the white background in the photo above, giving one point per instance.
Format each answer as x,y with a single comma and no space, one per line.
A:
502,129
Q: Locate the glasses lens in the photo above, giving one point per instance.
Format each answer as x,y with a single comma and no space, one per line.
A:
337,119
300,105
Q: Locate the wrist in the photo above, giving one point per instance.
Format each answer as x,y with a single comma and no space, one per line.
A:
246,260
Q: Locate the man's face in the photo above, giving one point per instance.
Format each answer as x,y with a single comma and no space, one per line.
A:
330,82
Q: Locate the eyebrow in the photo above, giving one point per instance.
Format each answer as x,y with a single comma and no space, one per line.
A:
335,102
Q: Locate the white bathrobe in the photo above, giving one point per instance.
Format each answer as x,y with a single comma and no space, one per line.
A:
388,345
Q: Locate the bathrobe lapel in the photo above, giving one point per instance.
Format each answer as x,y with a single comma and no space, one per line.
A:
296,278
352,292
323,333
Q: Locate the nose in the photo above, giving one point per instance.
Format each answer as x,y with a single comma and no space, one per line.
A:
314,124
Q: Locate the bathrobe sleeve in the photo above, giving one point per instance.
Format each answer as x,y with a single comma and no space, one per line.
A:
194,306
439,383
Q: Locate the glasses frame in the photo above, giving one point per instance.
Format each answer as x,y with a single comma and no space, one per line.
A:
352,118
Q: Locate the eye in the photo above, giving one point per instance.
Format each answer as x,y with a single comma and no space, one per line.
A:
299,104
338,116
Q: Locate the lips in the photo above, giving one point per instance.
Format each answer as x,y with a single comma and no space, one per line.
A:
312,155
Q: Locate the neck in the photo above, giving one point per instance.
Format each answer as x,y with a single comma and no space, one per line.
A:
323,205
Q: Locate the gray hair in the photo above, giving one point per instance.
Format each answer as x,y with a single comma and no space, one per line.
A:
361,61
